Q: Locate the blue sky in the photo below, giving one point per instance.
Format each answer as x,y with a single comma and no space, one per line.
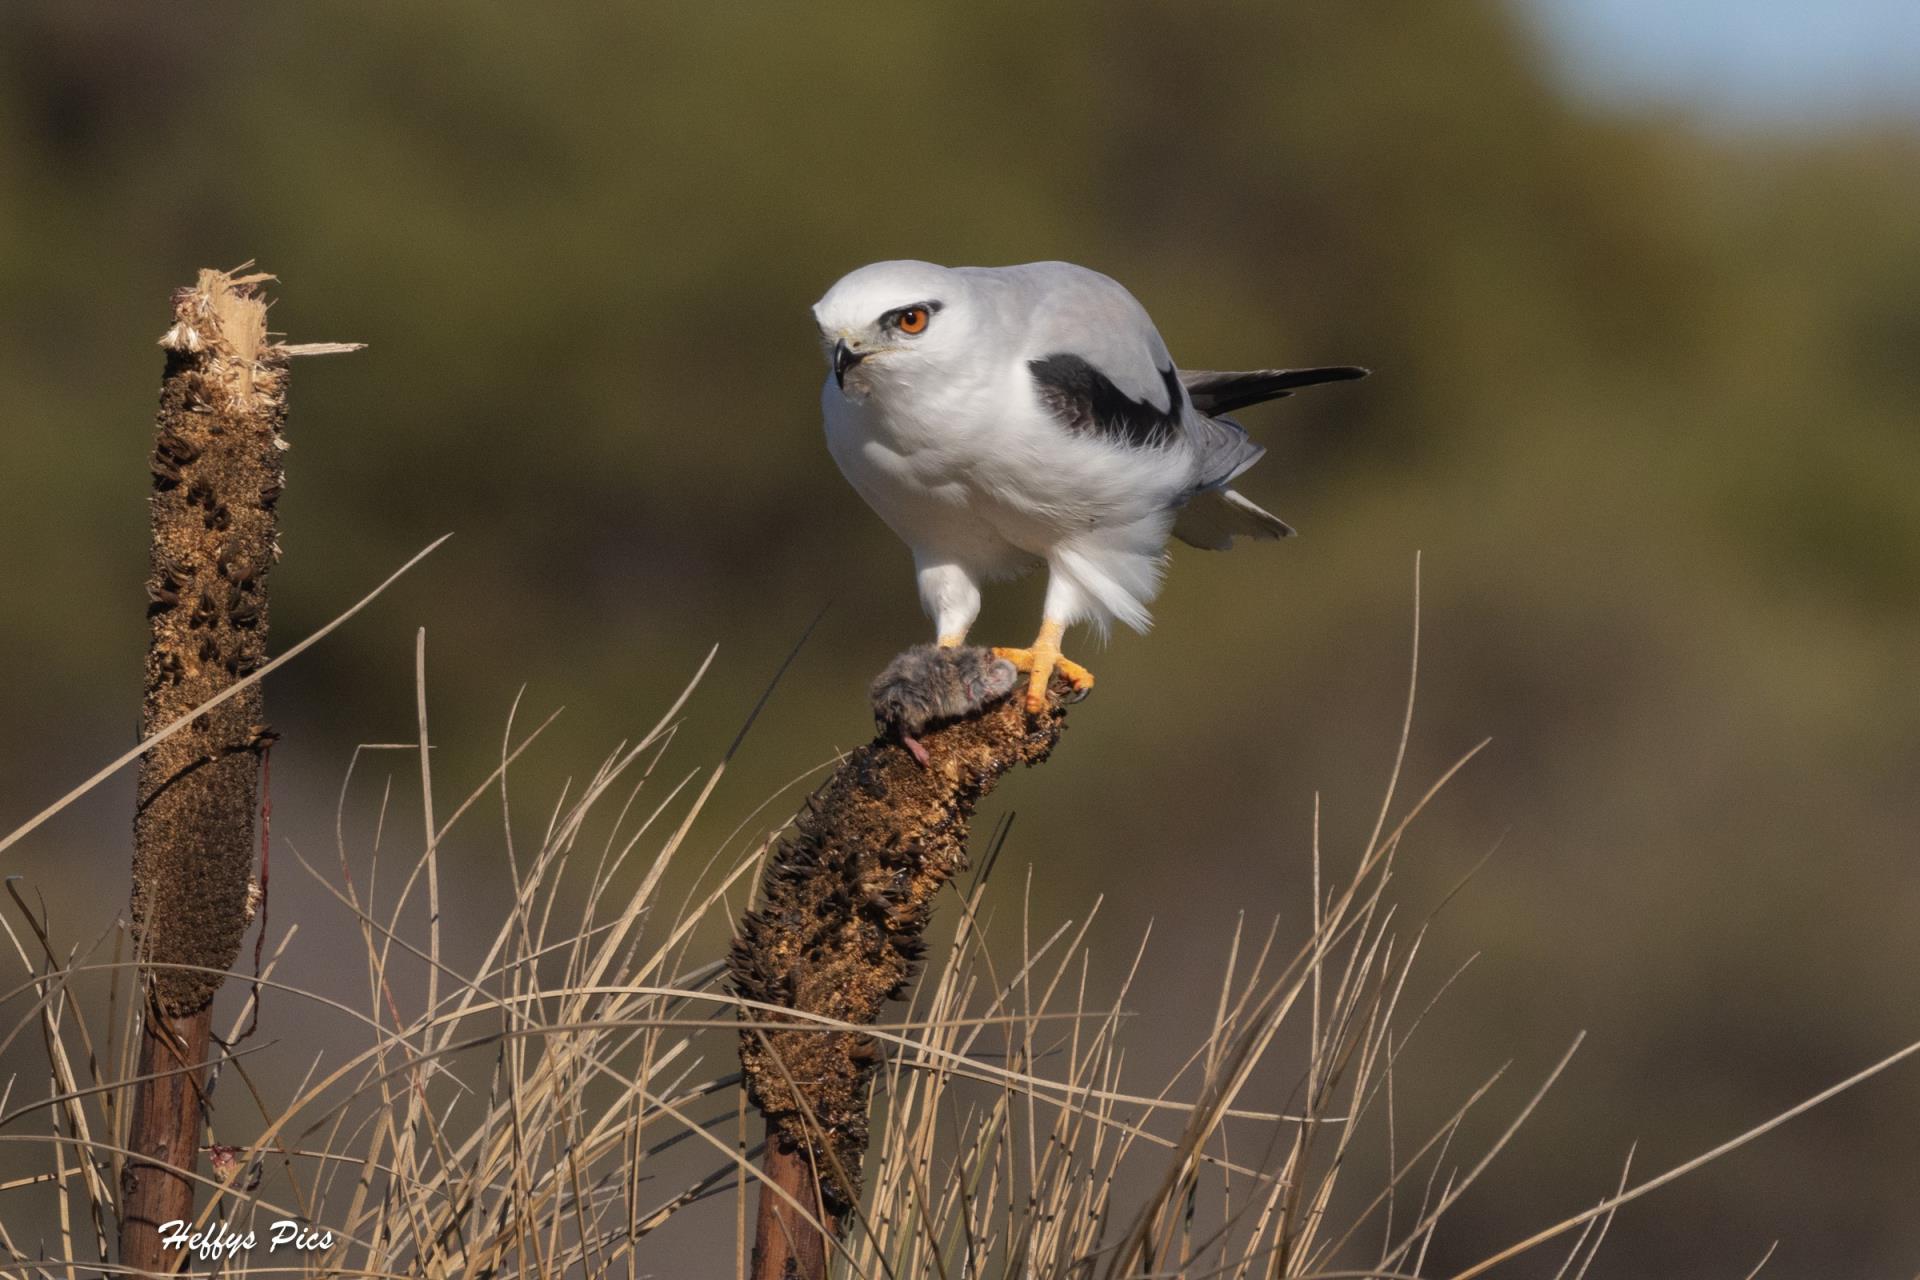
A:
1762,62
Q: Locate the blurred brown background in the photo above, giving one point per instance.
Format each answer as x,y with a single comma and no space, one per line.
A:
1645,401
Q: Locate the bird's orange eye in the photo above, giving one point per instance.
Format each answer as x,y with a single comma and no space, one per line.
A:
911,320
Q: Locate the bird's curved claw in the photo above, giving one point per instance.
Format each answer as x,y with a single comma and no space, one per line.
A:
1079,677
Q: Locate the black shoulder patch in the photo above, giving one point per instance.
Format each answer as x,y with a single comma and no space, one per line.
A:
1085,401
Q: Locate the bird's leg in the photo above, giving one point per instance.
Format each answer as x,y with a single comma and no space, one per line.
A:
1042,660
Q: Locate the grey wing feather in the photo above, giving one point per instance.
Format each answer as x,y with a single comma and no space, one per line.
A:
1068,310
1222,449
1216,392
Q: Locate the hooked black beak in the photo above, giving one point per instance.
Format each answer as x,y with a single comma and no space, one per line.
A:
844,358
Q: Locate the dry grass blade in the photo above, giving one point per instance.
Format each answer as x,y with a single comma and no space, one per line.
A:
120,762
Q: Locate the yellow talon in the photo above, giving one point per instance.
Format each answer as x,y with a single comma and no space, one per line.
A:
1041,661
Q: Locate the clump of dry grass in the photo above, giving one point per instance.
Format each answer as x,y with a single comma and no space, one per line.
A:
545,1107
1019,1169
503,1123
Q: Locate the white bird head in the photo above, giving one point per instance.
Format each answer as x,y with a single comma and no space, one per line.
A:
890,320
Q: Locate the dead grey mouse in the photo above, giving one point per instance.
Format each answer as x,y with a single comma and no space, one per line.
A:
928,685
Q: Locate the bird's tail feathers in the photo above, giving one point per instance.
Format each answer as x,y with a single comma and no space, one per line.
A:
1213,518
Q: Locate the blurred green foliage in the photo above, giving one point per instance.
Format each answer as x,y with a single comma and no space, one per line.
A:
1645,400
